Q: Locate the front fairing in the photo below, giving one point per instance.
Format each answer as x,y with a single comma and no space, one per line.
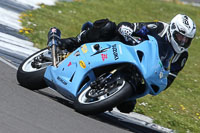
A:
151,66
145,56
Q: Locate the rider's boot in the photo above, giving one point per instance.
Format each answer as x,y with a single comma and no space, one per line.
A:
70,44
127,106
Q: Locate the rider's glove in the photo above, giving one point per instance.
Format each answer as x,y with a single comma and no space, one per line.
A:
143,31
54,34
126,32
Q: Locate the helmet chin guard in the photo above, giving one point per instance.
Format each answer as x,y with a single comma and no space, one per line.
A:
181,32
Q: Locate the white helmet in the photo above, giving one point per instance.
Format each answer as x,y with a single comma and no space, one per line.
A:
181,32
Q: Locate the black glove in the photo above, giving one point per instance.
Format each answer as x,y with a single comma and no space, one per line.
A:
55,34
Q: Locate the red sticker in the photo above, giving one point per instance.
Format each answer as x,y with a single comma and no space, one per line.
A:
104,56
70,63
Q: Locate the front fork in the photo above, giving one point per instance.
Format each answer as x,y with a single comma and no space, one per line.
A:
53,53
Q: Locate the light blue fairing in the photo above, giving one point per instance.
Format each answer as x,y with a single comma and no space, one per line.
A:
69,74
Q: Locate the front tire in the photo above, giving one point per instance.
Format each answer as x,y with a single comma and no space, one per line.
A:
30,77
86,105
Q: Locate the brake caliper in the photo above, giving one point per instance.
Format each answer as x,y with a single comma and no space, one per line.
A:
37,61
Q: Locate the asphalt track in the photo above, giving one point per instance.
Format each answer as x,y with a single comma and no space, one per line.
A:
25,111
46,111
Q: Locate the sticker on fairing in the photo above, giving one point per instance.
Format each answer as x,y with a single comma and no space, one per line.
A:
84,48
82,64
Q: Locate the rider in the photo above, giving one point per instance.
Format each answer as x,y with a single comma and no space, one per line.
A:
173,40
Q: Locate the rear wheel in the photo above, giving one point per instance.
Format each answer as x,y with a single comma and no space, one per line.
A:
94,101
30,73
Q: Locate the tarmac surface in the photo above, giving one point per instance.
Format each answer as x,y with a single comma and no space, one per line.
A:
25,111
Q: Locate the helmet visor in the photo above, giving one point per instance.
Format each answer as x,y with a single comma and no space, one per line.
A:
182,40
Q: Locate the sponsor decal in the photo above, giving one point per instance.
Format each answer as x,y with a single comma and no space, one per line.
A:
104,56
70,63
77,53
120,49
160,64
161,75
115,53
53,30
84,48
82,64
152,26
61,80
186,22
101,51
95,47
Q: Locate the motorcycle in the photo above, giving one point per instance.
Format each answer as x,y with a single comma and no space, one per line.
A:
97,76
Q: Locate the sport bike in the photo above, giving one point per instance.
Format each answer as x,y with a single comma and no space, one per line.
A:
97,76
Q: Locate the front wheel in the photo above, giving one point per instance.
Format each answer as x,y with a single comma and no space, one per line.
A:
30,73
93,101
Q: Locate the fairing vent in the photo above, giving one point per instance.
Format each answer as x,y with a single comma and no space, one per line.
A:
140,55
155,88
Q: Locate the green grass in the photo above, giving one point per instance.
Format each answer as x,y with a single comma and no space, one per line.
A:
178,107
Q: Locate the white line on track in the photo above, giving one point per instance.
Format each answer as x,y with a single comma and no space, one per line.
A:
8,63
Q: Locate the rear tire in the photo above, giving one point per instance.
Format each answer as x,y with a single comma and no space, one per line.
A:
31,78
100,106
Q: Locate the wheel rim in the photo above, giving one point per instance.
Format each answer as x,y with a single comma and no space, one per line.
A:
84,99
27,67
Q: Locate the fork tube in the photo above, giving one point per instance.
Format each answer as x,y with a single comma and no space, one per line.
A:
53,51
